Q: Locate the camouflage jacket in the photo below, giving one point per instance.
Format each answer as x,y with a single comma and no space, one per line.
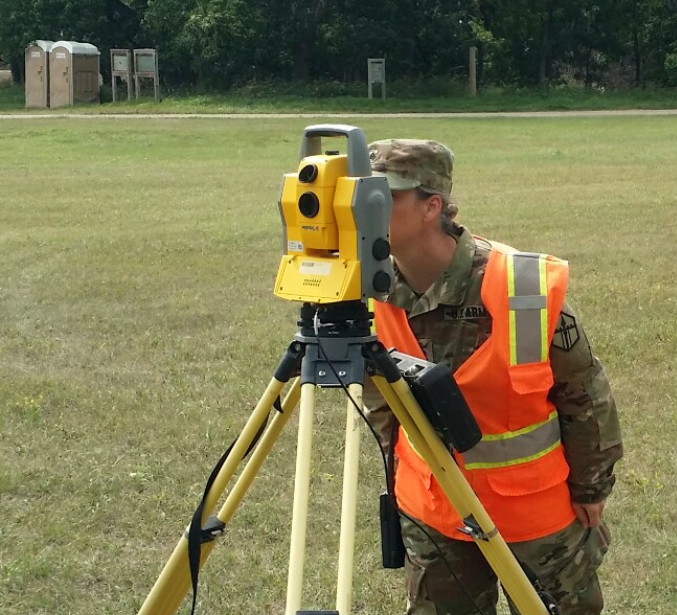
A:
450,323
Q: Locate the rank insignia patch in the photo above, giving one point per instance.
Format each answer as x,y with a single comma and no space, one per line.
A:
566,333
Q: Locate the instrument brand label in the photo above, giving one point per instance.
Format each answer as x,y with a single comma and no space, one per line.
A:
315,268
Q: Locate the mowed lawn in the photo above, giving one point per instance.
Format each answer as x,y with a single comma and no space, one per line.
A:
138,329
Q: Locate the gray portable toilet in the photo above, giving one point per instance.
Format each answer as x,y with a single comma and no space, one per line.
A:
74,73
37,73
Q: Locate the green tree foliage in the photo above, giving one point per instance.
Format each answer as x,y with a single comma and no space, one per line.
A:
658,40
164,24
15,31
221,43
104,23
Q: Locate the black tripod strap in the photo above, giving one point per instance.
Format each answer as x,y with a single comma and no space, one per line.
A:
197,535
390,468
546,598
392,545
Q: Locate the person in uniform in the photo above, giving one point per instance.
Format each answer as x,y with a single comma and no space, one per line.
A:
500,319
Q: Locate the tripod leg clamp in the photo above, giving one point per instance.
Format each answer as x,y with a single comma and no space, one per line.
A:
472,528
212,529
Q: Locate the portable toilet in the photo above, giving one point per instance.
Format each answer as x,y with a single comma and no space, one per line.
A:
37,73
74,73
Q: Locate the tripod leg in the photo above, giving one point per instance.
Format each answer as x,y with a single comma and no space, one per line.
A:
301,499
251,469
174,580
399,397
351,462
259,455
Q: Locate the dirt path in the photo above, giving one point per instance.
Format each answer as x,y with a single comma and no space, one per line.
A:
259,116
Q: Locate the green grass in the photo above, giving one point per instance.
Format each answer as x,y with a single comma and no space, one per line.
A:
403,97
138,329
11,97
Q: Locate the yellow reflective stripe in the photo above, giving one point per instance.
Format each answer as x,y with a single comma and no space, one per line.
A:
514,447
544,312
541,275
370,307
512,327
512,462
544,334
518,432
511,276
411,444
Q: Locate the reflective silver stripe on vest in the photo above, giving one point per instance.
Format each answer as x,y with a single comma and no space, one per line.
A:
527,291
511,448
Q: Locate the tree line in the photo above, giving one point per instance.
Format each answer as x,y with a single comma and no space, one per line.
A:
220,44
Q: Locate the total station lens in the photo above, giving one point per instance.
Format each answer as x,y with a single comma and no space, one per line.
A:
308,174
309,204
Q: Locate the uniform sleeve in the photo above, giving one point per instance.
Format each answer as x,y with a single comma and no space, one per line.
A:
377,412
589,423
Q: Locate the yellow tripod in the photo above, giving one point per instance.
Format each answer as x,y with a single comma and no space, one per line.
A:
334,347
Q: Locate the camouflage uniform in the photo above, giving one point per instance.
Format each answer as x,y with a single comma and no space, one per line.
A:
450,322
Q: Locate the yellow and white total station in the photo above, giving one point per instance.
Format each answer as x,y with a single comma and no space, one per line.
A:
335,219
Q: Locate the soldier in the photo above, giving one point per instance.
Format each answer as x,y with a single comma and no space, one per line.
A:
550,432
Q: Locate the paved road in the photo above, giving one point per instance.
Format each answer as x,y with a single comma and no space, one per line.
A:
259,116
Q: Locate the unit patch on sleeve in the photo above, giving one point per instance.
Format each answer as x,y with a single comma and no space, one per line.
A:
566,334
467,312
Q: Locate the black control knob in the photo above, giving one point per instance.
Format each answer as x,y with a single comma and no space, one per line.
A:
381,282
381,249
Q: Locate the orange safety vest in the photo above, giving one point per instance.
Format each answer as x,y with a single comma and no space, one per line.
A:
518,469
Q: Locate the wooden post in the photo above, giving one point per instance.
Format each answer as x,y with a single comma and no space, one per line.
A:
472,71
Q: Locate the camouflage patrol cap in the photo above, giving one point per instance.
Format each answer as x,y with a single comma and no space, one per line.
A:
410,163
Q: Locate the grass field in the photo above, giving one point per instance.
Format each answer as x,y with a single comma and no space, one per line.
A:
403,97
138,329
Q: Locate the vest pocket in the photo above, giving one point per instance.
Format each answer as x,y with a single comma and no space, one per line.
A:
531,477
531,383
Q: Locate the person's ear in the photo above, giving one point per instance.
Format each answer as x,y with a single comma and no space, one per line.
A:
433,207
